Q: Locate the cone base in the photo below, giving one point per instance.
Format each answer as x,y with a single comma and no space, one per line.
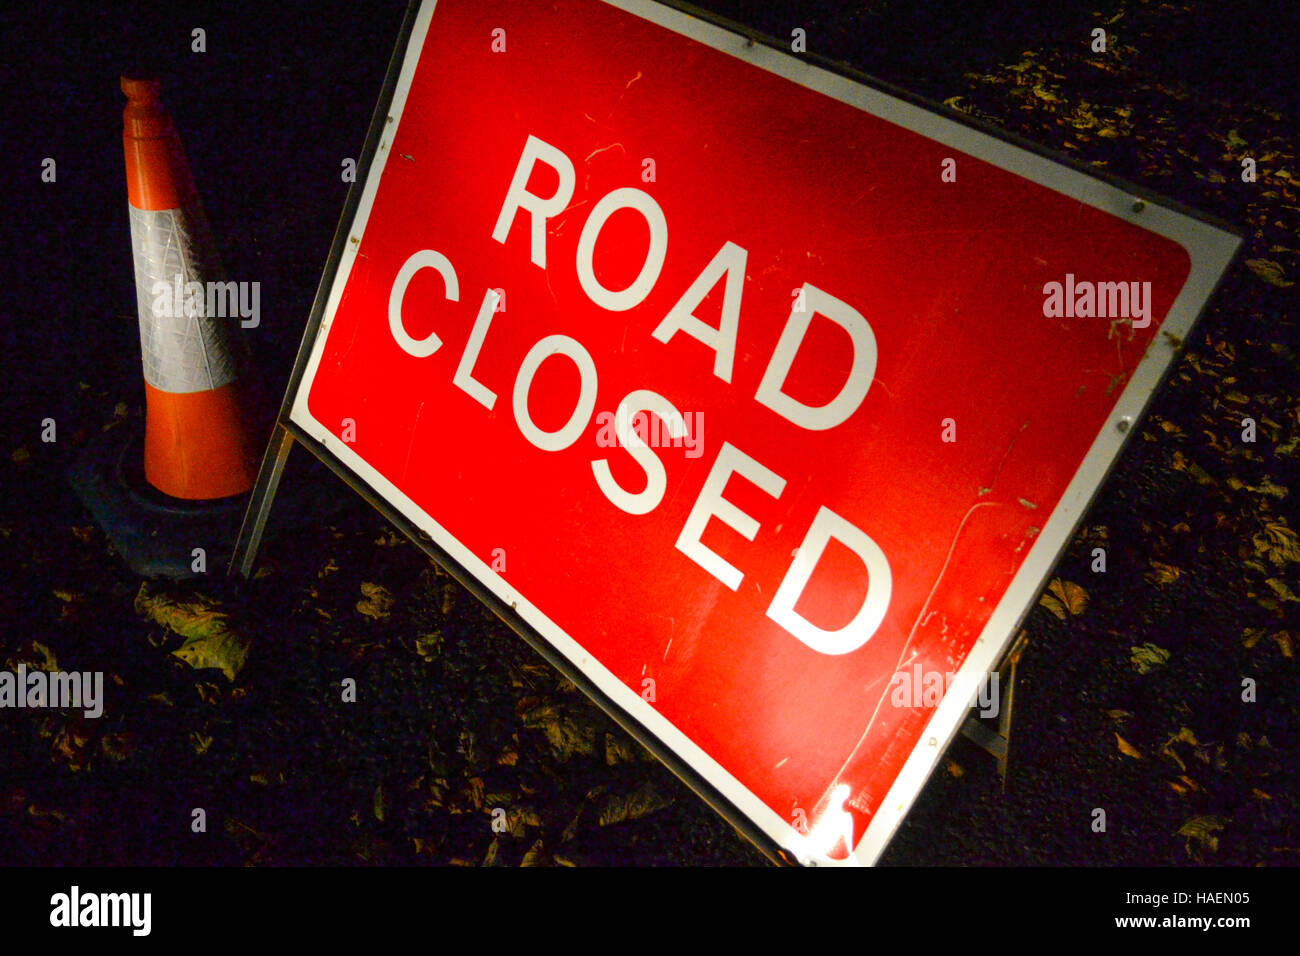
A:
196,444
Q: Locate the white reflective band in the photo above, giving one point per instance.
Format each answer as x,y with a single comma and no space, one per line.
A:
182,350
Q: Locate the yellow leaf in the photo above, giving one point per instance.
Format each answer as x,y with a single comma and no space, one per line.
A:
1127,749
1269,271
633,806
1200,833
1281,589
1279,542
1071,596
209,640
1053,605
428,645
534,856
376,601
1161,573
224,650
1148,657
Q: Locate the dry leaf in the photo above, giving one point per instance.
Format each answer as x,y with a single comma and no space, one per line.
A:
428,645
642,802
534,856
1064,597
1281,589
376,601
566,729
1162,574
224,650
1200,833
209,641
1148,657
1127,749
1269,271
1278,542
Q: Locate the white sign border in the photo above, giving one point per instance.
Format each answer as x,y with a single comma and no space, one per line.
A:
1210,248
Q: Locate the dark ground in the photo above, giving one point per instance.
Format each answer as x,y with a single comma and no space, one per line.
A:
457,716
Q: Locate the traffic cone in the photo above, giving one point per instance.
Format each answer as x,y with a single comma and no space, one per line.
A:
197,444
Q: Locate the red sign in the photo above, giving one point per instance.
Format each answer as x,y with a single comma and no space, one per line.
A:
768,399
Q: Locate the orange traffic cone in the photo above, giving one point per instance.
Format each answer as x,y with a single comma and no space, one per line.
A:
197,444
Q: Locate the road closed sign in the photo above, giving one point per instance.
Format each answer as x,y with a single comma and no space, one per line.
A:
762,397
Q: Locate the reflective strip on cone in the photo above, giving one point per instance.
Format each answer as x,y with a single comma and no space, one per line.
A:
183,350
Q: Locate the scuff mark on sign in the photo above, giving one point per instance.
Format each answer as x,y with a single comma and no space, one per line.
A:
921,616
415,427
603,149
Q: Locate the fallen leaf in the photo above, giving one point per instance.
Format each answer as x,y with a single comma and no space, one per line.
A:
642,802
1064,597
376,601
116,746
209,641
1269,271
1201,832
534,856
620,749
1148,657
49,662
1278,542
224,650
566,729
428,645
1127,749
1162,574
1281,589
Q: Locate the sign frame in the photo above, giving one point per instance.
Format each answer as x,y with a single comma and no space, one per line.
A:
1212,247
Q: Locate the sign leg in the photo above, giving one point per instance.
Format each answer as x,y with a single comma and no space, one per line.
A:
259,505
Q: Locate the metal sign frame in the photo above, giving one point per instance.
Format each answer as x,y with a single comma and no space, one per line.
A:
1211,245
